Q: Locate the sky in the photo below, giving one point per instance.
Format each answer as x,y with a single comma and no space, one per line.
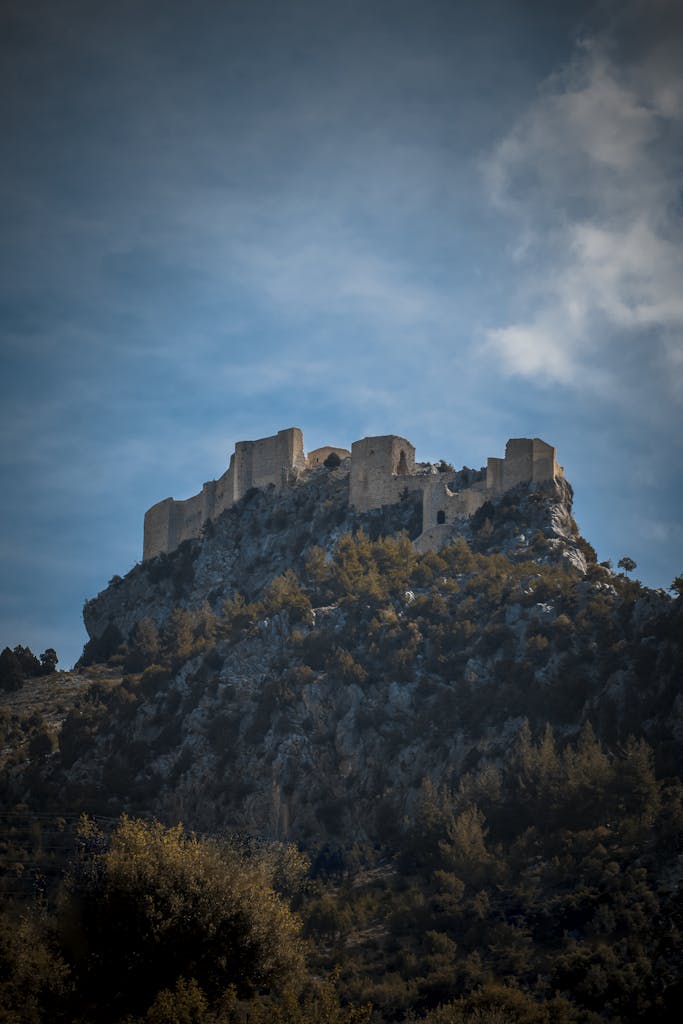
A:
451,221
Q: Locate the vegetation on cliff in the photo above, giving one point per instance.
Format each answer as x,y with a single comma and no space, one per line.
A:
478,751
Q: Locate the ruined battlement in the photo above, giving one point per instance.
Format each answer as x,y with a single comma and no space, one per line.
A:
382,470
275,460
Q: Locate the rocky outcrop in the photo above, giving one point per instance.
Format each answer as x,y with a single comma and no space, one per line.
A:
250,544
268,532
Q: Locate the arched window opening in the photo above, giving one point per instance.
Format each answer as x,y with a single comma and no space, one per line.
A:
402,468
440,517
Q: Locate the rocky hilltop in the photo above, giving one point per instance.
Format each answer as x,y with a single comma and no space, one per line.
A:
299,669
477,750
269,531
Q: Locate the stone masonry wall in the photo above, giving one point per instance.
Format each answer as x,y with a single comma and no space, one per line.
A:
382,470
270,460
318,455
525,459
441,505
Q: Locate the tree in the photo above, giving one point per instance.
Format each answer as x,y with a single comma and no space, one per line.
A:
144,646
677,587
48,661
32,973
157,905
627,564
464,850
178,640
284,593
11,674
17,665
29,663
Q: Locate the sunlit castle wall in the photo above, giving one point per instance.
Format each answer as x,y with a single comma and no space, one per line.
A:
318,456
526,459
270,460
380,471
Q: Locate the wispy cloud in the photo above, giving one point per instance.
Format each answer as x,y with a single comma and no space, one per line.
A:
591,176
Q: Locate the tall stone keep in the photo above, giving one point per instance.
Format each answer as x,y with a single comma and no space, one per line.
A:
381,468
526,459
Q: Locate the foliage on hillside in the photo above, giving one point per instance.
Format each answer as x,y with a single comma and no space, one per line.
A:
158,927
20,664
498,638
250,544
553,877
543,890
535,880
481,642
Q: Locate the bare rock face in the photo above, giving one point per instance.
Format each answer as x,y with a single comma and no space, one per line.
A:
530,522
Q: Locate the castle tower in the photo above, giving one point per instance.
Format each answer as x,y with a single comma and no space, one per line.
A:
379,468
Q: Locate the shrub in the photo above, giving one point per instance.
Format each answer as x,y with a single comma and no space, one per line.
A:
285,594
343,665
43,742
158,905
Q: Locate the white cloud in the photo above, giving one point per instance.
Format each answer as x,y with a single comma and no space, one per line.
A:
591,176
630,274
532,350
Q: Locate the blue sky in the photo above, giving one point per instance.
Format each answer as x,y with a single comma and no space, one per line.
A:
457,222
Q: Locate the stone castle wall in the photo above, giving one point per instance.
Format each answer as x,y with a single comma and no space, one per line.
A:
382,470
270,460
318,455
525,459
442,506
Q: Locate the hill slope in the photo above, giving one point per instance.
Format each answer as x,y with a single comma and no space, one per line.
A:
286,676
478,748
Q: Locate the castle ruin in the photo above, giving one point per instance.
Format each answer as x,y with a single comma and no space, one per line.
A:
381,471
